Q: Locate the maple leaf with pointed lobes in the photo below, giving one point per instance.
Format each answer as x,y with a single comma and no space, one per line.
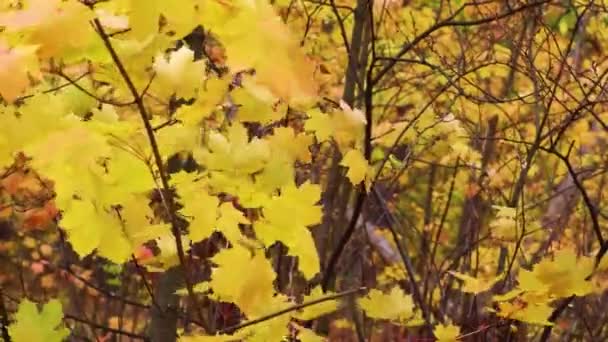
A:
210,94
446,333
566,274
527,310
245,279
180,17
395,306
229,220
286,148
286,218
38,326
289,145
320,123
89,227
199,207
348,124
357,166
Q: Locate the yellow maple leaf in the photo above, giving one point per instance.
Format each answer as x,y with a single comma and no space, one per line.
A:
244,279
229,220
180,16
286,218
528,281
530,312
91,227
565,274
446,333
476,285
308,335
168,253
210,94
199,207
319,123
257,103
33,325
504,226
289,145
357,166
177,138
395,306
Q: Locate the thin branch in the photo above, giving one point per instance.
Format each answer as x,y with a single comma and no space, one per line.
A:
593,213
554,315
168,202
88,93
407,261
290,309
351,80
140,270
328,275
169,122
447,23
341,25
53,89
106,328
106,293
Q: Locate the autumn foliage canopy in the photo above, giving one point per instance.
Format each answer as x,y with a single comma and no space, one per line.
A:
303,170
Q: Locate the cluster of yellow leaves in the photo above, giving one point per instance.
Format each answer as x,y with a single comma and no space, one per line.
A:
245,277
345,125
99,158
286,218
255,37
549,280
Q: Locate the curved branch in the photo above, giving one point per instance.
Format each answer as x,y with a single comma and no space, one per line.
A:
168,202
